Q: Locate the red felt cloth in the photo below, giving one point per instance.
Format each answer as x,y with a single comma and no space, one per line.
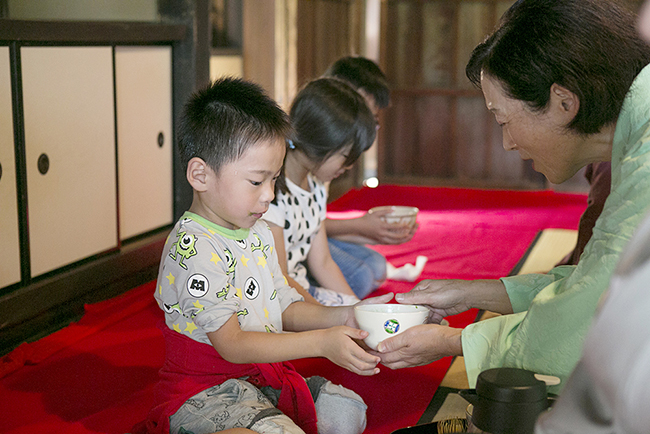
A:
191,367
97,375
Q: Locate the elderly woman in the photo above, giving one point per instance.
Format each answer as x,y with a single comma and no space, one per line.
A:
568,83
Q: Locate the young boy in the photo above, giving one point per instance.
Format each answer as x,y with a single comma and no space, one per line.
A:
225,299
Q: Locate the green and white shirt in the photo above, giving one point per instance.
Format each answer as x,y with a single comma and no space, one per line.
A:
209,273
553,311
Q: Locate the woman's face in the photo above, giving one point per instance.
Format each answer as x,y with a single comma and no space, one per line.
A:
539,136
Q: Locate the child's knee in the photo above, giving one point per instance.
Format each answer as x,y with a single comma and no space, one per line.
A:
340,410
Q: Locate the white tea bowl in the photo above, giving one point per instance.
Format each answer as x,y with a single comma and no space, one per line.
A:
382,321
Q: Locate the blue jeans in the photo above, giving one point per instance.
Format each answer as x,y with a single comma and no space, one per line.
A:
363,268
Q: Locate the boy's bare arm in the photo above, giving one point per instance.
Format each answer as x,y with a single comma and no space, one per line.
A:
301,316
336,344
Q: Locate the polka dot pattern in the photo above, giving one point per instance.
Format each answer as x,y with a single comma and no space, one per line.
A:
301,213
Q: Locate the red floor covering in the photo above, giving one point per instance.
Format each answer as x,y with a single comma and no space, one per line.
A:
96,376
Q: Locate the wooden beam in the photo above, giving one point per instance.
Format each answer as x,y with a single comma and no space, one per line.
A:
90,32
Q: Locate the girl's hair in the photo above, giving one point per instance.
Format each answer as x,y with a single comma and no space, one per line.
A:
327,115
226,118
590,47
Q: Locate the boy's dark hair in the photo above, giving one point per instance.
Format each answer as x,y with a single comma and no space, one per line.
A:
223,120
590,47
363,74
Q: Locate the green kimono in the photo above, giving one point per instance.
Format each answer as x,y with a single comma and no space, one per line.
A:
553,311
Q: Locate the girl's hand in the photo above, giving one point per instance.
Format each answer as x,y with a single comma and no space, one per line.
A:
337,345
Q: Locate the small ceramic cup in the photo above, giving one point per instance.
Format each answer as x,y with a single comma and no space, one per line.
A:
405,215
382,321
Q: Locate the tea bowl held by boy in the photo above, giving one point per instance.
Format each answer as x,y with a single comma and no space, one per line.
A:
382,321
404,215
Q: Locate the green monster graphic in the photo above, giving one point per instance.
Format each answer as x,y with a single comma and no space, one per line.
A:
224,291
169,308
183,247
231,262
242,312
259,246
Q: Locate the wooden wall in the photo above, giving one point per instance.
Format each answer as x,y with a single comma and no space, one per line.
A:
437,130
327,30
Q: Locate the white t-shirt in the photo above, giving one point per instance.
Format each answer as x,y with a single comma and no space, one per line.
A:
301,214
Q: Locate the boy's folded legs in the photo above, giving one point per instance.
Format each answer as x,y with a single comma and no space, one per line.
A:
340,410
232,404
238,404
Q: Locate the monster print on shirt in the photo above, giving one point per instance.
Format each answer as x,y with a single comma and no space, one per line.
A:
211,273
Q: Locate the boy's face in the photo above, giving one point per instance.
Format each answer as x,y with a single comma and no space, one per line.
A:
371,103
241,192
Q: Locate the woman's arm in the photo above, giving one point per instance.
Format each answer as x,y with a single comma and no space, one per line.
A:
336,344
450,297
322,266
278,237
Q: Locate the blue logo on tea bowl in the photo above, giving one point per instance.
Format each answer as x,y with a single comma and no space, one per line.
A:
391,326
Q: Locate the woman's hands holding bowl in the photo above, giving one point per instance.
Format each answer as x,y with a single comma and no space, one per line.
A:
427,343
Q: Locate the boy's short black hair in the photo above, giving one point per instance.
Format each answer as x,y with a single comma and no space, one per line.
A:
362,73
221,121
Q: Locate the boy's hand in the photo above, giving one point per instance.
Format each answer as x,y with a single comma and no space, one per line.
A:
337,345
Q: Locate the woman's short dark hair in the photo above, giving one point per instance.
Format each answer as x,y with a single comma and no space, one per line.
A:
590,47
223,120
327,115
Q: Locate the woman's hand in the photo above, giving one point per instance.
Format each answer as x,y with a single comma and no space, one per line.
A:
442,297
419,345
450,297
338,345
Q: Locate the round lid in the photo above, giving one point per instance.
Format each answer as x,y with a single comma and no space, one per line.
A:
510,385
